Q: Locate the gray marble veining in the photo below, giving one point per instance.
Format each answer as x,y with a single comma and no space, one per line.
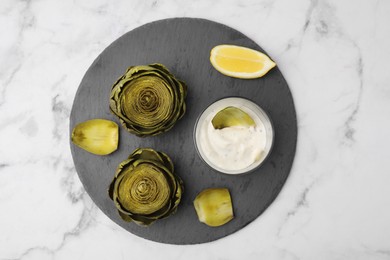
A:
334,56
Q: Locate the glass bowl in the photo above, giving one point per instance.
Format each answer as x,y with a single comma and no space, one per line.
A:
253,110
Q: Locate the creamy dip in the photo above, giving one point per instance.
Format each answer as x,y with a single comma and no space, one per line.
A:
231,149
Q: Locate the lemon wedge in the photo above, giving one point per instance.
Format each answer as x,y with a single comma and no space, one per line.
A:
240,62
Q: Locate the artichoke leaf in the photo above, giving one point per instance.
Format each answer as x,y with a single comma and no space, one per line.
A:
124,217
232,116
147,154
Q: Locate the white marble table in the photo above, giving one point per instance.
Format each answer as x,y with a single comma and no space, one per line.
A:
334,55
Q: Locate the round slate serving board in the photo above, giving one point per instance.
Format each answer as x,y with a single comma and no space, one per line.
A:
183,45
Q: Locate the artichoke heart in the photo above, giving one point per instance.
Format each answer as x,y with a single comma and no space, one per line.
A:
148,99
232,116
97,136
214,206
145,187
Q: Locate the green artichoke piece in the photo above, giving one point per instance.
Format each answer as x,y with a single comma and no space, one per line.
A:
97,136
145,187
148,99
232,116
214,207
145,191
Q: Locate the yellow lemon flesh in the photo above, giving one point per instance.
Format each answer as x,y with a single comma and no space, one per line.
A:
240,62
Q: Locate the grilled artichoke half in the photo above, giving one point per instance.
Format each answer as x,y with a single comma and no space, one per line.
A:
145,187
148,99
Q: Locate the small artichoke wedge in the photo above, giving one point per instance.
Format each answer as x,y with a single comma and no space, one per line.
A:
148,99
145,187
214,206
97,136
232,116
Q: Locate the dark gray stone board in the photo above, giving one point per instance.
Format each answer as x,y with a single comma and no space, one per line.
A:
183,45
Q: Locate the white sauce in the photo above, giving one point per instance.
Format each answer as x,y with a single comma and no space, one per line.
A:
231,148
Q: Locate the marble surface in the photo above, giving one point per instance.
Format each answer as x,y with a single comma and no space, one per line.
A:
334,55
